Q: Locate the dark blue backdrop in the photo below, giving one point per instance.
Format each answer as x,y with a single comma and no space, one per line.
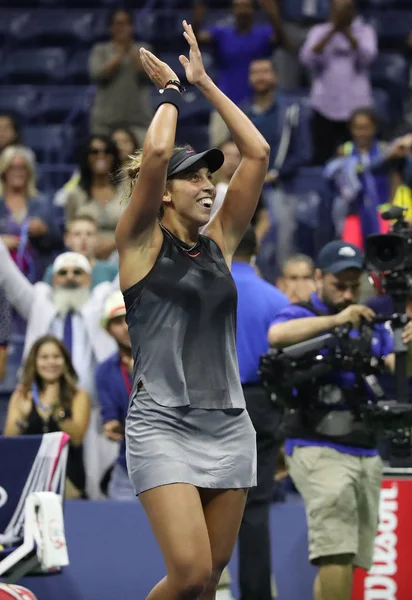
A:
113,554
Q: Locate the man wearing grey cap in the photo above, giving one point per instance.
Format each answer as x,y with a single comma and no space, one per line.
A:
332,458
71,311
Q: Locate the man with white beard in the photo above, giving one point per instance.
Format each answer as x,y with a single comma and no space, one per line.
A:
71,311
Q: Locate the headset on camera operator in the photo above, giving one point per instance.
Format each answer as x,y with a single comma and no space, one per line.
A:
331,455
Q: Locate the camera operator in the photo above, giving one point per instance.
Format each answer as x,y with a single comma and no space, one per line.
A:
338,474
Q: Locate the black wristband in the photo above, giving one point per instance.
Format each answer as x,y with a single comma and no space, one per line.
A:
170,96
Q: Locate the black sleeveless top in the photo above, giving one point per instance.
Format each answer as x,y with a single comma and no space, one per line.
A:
182,327
75,466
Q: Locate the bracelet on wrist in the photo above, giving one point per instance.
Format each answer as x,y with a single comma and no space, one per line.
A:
175,83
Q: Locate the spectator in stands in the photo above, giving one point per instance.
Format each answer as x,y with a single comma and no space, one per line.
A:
260,220
285,128
339,54
125,141
114,386
70,311
298,16
48,399
26,222
122,94
281,123
82,237
239,43
397,161
297,279
9,131
96,193
5,332
361,202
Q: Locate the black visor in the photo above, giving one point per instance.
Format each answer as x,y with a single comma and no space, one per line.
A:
186,158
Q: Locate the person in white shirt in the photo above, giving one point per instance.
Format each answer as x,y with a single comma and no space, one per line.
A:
71,311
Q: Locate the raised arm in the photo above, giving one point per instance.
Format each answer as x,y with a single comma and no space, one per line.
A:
137,222
271,9
229,223
198,16
17,288
311,53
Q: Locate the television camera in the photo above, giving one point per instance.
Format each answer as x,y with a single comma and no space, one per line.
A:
292,374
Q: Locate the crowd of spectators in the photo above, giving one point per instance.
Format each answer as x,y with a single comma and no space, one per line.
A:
306,83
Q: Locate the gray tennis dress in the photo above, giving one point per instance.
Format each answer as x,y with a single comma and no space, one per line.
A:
187,421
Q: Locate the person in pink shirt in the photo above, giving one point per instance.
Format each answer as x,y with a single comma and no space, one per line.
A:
339,54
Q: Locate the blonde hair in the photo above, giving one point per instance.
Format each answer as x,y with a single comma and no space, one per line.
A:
131,169
6,158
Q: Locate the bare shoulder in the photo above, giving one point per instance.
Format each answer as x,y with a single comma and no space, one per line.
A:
137,259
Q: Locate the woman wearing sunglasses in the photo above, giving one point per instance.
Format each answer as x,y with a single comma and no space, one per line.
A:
96,192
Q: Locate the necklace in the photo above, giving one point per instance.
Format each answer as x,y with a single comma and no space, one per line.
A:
44,408
182,245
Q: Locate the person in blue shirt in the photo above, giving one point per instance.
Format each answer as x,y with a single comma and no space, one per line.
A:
332,458
114,384
258,304
239,42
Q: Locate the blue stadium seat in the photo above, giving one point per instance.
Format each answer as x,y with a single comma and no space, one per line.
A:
198,136
34,66
22,100
392,26
161,27
381,101
9,19
77,68
51,143
195,109
14,359
314,217
66,103
383,4
390,71
294,10
56,26
172,59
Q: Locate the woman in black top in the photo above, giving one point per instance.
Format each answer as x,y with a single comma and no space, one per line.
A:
191,448
48,400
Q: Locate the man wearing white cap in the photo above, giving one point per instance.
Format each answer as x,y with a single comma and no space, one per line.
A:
114,385
71,311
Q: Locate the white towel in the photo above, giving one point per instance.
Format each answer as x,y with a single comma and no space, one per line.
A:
44,523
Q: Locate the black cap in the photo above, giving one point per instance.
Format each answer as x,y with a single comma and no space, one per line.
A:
338,256
187,157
